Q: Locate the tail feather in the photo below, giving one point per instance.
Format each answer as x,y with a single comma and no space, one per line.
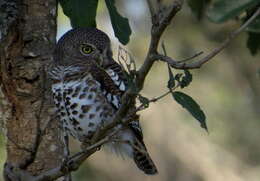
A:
134,147
143,160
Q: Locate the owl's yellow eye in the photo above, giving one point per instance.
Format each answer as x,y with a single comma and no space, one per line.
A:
86,49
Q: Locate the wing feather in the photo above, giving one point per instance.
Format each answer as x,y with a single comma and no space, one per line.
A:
117,74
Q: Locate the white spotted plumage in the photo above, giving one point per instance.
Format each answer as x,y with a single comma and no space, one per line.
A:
81,123
82,131
114,76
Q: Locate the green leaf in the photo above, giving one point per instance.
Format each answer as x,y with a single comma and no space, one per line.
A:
191,106
82,13
171,81
255,25
120,24
253,42
144,100
198,7
223,10
186,80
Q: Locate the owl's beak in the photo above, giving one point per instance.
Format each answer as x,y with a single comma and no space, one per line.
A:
106,54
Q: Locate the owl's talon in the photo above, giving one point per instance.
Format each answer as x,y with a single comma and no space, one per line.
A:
98,148
65,160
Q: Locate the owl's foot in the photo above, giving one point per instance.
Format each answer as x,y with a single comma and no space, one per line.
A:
65,161
65,164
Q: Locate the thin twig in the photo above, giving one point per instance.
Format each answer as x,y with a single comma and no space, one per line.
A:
190,58
195,65
227,41
165,94
160,97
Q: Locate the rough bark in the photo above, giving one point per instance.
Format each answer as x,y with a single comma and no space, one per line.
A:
27,39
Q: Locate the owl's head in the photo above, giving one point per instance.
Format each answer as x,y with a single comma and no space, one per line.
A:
83,44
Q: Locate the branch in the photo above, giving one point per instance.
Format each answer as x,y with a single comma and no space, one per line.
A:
142,106
195,65
192,57
156,33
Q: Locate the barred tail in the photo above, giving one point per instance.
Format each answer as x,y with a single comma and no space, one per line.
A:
143,160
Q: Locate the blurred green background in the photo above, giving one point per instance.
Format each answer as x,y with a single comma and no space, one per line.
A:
227,89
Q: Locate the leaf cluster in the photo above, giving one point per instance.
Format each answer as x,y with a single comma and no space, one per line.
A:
184,79
187,102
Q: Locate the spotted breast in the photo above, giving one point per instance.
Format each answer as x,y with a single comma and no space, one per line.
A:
81,105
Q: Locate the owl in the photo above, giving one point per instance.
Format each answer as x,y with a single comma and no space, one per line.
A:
87,87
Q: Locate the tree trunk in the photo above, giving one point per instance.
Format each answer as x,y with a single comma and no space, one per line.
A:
27,39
